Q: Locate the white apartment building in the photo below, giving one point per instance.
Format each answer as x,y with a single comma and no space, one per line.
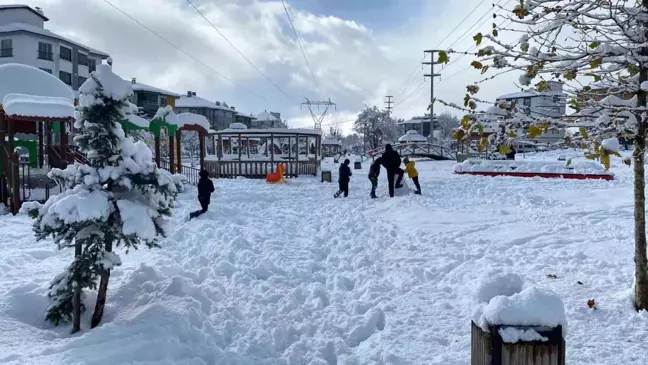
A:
24,40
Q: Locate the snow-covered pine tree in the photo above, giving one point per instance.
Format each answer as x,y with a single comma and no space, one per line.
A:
119,198
599,49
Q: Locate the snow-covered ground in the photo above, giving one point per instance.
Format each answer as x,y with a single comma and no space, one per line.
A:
285,274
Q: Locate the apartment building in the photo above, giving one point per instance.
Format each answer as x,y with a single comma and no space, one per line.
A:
219,114
149,98
24,40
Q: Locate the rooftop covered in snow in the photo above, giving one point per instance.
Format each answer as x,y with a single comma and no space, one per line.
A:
138,86
266,116
267,132
194,101
412,136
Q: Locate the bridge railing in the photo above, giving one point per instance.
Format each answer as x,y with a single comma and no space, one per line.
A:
418,149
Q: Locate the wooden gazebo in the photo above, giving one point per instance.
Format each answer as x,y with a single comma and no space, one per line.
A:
331,146
33,102
301,155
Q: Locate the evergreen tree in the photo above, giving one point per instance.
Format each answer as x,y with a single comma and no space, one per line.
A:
119,198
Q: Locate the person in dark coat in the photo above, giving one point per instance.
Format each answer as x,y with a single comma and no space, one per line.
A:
374,172
391,160
205,189
345,177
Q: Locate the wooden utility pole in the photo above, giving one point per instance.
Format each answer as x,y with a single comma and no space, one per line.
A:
431,75
389,100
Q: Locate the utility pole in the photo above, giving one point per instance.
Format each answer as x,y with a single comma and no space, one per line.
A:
318,118
431,75
389,101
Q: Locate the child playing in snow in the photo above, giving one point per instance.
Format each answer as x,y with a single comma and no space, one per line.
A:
412,173
345,177
205,189
374,171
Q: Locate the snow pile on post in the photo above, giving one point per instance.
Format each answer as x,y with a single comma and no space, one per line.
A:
532,307
168,115
497,283
193,119
38,106
119,198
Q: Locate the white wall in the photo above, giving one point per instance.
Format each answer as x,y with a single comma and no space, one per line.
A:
20,15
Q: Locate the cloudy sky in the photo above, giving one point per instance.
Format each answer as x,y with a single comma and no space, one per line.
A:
359,50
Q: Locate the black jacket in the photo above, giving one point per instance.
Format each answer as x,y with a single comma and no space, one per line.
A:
391,160
345,173
374,170
205,186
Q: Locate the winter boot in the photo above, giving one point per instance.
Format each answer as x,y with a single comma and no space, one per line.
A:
417,192
373,195
337,195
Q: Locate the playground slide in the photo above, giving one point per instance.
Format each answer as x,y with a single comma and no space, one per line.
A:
276,177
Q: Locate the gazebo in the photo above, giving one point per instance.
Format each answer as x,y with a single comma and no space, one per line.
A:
297,149
331,146
412,136
34,103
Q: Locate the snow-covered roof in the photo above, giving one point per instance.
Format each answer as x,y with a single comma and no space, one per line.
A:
237,126
266,116
416,120
245,115
144,87
267,131
22,27
137,120
193,119
23,6
529,94
412,136
38,106
198,102
28,91
330,140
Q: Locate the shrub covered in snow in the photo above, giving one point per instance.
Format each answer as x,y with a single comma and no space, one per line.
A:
119,198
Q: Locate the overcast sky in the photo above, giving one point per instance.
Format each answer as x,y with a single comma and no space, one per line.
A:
359,50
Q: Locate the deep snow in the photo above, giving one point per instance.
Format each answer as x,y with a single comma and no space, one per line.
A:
285,274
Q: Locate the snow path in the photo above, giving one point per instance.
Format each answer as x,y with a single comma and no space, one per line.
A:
285,274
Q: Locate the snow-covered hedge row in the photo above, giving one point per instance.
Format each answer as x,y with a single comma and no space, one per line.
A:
553,167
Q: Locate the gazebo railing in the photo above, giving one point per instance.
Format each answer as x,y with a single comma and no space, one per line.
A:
259,169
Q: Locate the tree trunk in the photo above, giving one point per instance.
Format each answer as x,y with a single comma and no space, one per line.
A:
76,299
102,294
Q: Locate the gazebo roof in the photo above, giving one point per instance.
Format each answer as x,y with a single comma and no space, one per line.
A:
27,91
278,132
412,136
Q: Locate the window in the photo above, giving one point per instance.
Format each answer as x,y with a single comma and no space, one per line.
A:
65,54
556,98
527,101
66,77
83,59
48,70
6,48
81,80
45,51
92,65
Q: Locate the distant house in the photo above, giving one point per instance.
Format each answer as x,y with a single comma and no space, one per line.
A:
267,119
539,105
243,118
149,99
219,114
421,125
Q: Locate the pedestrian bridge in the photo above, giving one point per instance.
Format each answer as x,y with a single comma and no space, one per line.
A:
425,150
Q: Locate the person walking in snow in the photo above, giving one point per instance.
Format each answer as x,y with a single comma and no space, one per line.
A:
412,173
391,160
205,189
374,171
343,180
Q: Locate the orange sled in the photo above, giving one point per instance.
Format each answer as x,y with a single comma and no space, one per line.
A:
276,177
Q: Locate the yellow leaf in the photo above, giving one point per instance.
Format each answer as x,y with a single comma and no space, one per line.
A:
596,63
472,89
570,75
478,38
605,160
480,128
534,131
465,121
443,57
458,134
494,32
504,149
627,161
482,144
543,86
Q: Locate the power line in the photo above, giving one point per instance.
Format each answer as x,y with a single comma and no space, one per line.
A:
300,46
478,20
237,50
458,25
185,52
410,94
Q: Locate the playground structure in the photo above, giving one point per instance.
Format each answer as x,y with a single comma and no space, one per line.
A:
255,153
419,149
276,177
331,146
35,108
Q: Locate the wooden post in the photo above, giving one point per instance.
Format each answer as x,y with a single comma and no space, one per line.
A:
247,146
63,144
40,126
219,152
203,149
271,152
171,155
213,140
240,145
178,151
15,182
4,159
157,151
